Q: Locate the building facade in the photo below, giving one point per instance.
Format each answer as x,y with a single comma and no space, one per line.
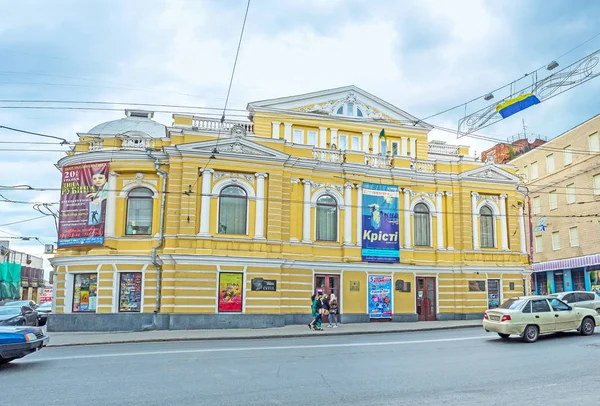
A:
21,275
563,181
212,224
503,153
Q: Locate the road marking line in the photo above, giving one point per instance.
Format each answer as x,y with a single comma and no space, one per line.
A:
234,349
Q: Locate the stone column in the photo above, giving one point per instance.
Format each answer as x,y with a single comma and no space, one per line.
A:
295,207
275,130
323,137
503,223
259,225
111,206
474,197
365,141
413,148
287,132
440,220
522,237
407,233
375,143
348,213
205,202
359,198
403,147
450,220
306,212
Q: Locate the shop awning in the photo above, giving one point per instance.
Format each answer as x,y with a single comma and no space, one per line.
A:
570,263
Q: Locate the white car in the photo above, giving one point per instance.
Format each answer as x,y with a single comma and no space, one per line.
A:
589,300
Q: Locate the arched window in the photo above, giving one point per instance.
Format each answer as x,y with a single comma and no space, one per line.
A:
326,222
140,202
233,209
422,225
486,227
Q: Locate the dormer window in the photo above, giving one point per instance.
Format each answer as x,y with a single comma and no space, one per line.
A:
350,110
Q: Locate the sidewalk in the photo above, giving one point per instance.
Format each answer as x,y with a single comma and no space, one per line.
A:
72,339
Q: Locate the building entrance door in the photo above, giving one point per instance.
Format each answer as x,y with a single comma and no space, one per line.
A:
426,303
329,284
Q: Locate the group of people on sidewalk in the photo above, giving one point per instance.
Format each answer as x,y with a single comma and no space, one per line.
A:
322,305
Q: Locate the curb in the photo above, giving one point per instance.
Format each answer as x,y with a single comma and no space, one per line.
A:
259,337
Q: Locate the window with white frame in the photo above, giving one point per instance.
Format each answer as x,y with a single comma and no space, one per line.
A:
553,198
534,170
526,172
326,219
556,240
567,155
596,181
422,225
85,292
550,163
594,142
233,209
298,136
486,221
350,110
311,138
395,148
574,236
539,243
140,202
537,205
355,143
571,198
343,142
383,146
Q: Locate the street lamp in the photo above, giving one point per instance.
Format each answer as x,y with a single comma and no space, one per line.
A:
552,65
488,97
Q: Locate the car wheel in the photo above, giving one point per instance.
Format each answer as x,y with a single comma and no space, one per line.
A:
530,334
504,336
587,327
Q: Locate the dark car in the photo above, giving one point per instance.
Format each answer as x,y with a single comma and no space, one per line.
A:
43,310
18,316
20,303
17,342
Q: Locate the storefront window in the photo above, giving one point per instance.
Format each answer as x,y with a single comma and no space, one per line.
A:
542,283
130,292
85,292
578,280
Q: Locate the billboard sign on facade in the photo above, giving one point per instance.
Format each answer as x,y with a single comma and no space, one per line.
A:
83,205
380,297
231,290
380,223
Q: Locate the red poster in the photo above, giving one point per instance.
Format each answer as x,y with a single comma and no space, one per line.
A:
83,205
231,292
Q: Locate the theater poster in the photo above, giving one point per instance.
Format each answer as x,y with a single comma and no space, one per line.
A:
231,291
380,223
83,205
380,297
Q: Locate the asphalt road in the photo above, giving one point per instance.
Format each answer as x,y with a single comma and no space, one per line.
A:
455,367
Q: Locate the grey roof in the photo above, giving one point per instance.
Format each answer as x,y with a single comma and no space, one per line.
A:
132,123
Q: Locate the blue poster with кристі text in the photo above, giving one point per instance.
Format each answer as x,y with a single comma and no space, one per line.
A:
380,225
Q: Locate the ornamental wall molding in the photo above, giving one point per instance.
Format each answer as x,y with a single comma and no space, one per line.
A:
327,186
489,198
233,175
331,106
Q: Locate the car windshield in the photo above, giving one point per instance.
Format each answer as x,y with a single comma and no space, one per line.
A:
45,306
9,310
17,304
513,304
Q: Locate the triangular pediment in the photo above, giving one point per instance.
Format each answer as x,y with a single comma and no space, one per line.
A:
237,147
489,172
335,102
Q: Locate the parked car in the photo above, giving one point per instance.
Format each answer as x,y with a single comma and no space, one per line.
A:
18,316
43,311
20,303
530,316
17,342
589,300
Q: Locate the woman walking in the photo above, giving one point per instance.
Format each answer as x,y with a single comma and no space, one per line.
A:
333,311
316,312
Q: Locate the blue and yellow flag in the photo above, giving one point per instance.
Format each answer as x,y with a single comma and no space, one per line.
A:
513,106
382,133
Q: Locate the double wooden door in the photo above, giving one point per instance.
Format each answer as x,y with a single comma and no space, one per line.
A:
426,299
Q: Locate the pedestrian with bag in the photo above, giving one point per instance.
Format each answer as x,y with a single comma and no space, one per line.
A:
316,313
333,311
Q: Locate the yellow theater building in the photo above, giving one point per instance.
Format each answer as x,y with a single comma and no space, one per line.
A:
235,223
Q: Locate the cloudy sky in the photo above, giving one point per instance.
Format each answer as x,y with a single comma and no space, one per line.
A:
422,56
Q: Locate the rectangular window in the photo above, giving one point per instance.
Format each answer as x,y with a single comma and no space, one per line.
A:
383,147
539,243
568,155
571,193
85,292
298,137
596,180
395,148
559,282
556,240
311,138
550,163
537,205
130,292
594,143
343,142
553,196
526,173
355,143
534,170
574,237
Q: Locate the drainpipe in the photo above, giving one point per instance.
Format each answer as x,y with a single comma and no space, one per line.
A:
154,260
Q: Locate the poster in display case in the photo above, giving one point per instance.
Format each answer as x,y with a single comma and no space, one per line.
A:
130,292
